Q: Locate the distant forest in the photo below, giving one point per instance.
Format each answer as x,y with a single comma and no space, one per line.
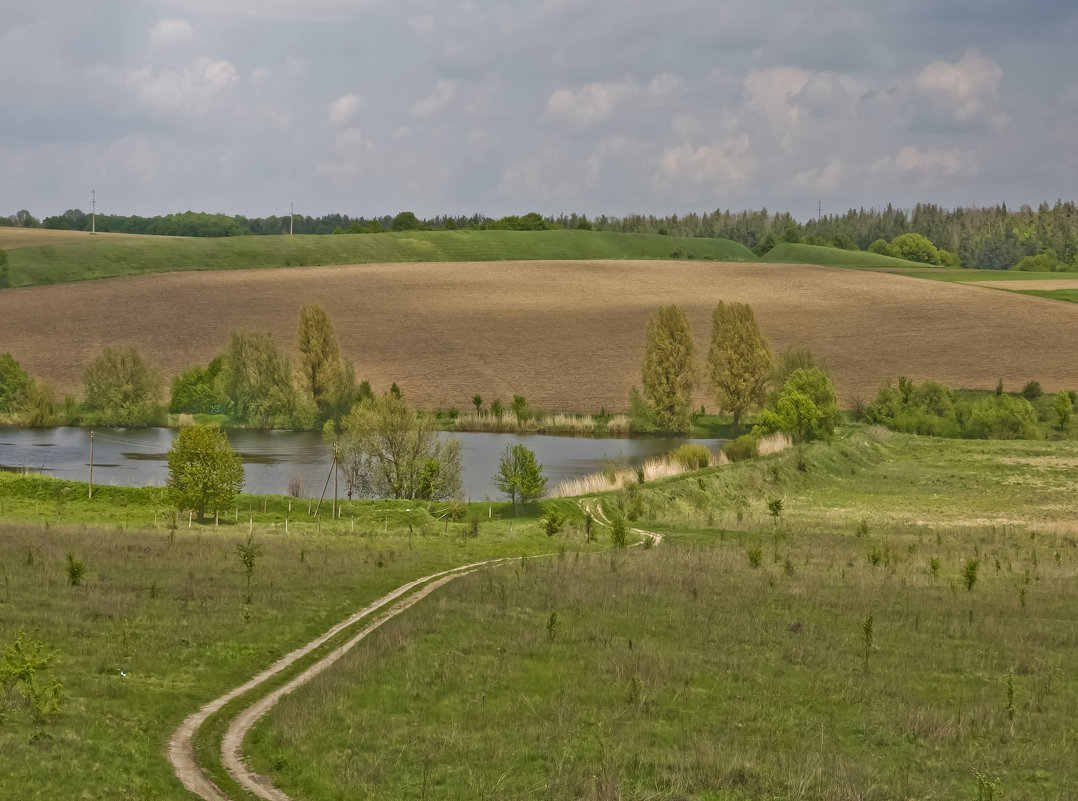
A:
993,238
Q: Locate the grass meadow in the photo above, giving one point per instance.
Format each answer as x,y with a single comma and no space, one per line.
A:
838,650
159,625
68,259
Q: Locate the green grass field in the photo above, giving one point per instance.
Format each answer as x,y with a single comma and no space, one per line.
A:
102,256
686,671
788,253
742,681
1069,295
159,625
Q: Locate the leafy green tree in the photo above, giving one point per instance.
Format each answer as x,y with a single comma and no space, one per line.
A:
195,391
519,475
396,453
256,379
38,408
477,401
740,363
1047,262
915,247
204,473
1002,417
795,359
121,388
843,241
806,408
881,247
405,221
1063,408
520,408
669,368
14,383
319,354
496,409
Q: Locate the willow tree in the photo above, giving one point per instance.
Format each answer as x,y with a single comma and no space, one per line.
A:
669,369
739,361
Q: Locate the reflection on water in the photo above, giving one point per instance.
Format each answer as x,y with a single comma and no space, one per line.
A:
138,457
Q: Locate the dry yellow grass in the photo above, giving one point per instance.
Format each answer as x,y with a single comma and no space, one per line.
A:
29,237
567,335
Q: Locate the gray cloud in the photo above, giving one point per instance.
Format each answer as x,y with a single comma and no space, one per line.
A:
365,107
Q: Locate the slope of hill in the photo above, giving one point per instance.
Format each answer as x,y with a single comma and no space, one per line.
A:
83,258
788,253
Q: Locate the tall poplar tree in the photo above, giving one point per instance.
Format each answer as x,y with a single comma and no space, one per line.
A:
739,361
319,354
669,369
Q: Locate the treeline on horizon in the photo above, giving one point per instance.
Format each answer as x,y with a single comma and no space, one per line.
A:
993,238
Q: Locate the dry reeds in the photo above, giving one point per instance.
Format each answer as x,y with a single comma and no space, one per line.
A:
578,424
604,481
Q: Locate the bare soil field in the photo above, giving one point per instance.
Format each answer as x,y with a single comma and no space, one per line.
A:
11,238
1044,284
567,335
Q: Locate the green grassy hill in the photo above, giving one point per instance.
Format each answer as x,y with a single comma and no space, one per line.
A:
788,253
104,256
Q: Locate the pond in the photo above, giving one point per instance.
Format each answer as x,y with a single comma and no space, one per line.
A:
271,459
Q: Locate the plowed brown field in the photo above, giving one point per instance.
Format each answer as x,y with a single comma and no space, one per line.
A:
568,335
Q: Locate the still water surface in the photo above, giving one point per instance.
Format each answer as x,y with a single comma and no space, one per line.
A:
136,457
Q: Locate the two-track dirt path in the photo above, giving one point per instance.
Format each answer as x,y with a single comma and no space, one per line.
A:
181,752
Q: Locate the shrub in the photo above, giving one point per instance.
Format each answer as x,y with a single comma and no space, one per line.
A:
693,456
744,447
1002,417
881,247
552,521
75,570
619,532
1032,391
915,247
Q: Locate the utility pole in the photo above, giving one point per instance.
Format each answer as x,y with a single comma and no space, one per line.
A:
336,446
291,214
819,210
93,230
90,494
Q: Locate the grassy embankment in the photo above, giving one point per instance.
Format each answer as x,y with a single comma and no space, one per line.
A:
103,256
789,253
833,652
159,625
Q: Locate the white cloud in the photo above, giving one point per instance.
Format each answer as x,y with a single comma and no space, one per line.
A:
728,161
344,108
194,89
261,75
827,179
438,100
966,88
772,91
786,94
170,32
589,104
911,160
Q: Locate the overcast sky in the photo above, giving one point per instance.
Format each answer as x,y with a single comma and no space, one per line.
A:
368,106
